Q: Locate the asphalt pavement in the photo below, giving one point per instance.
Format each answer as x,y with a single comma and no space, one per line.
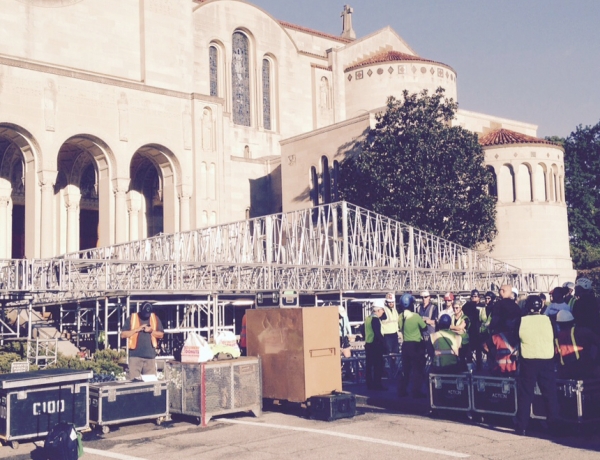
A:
385,427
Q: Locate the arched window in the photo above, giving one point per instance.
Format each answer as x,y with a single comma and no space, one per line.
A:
266,93
326,181
506,184
335,181
240,79
493,185
541,190
314,186
524,185
213,62
555,184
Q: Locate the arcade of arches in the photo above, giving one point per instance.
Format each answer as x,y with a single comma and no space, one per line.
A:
80,202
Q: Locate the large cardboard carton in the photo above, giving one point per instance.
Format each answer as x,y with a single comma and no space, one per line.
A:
299,349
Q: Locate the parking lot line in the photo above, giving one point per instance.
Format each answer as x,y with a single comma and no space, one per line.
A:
103,453
401,445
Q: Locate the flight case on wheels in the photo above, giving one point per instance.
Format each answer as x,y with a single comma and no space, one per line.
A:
578,401
113,403
450,391
31,403
494,395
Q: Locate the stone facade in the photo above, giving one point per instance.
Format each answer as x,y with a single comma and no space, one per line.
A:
121,119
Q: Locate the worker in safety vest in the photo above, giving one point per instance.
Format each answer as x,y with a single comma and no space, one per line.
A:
374,346
505,353
142,330
576,347
389,326
413,347
536,365
446,345
461,324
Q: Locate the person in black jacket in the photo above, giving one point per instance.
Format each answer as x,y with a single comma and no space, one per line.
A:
375,347
471,310
506,314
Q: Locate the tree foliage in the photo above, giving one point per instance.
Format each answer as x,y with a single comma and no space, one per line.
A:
582,187
416,168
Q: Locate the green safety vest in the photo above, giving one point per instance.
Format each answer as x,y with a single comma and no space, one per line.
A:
369,334
443,342
390,325
484,320
458,322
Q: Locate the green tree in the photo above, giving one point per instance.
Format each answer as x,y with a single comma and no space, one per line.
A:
582,187
416,168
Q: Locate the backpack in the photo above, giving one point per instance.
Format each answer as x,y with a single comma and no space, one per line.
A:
62,442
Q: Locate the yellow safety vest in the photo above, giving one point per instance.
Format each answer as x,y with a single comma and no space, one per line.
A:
390,325
445,345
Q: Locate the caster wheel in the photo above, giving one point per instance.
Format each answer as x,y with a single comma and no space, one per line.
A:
105,429
14,444
159,421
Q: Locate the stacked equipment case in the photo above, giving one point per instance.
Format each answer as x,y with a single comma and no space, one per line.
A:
31,403
114,403
578,401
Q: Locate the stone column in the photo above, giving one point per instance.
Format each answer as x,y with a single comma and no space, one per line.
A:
46,183
5,222
134,204
72,200
120,187
515,182
185,193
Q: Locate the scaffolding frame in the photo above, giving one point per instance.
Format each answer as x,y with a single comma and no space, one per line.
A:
332,248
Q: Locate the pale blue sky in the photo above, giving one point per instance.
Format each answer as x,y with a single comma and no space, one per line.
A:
536,61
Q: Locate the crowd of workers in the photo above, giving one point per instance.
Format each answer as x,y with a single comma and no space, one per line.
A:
504,334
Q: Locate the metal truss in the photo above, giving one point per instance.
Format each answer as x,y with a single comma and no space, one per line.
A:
334,247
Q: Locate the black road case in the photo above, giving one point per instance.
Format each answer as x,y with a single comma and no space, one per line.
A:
332,407
450,391
31,403
112,403
578,401
494,395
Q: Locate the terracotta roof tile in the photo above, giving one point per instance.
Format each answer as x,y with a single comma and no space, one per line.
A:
389,56
289,25
506,136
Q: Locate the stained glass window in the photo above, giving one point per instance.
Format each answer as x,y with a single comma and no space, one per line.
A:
240,80
213,61
266,89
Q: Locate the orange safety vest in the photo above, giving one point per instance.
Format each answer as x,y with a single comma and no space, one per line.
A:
568,350
506,354
135,323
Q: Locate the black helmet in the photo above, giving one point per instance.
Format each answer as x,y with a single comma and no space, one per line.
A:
534,303
146,311
491,295
444,322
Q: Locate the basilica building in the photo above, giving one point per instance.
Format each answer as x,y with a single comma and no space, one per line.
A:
122,119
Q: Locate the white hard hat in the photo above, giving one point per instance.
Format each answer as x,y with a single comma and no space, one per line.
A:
564,316
378,303
425,294
584,283
390,297
515,291
569,285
